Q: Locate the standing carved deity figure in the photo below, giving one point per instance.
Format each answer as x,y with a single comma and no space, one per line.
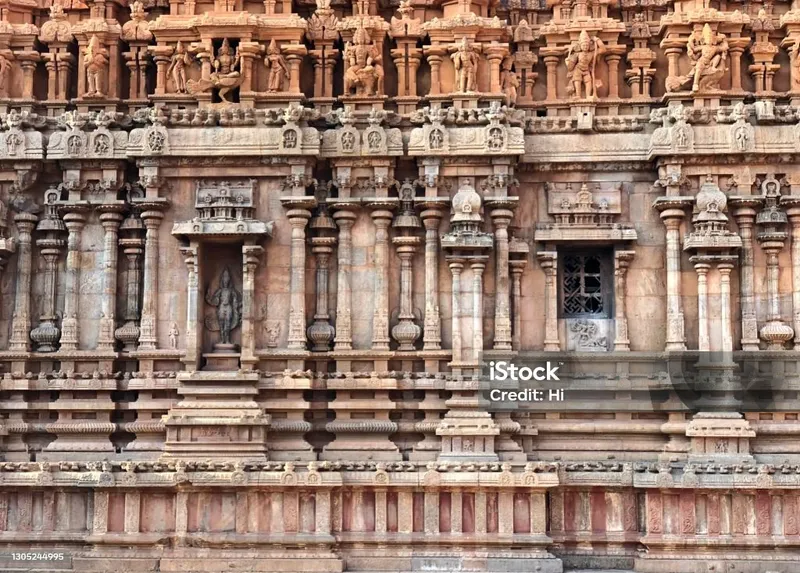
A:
177,67
364,74
5,70
277,68
229,306
582,66
794,58
95,60
509,81
465,60
709,52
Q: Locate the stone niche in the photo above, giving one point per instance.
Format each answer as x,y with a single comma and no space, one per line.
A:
217,259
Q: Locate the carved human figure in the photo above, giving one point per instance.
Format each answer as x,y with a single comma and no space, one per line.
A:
5,71
177,67
794,58
225,76
96,60
278,71
582,65
709,52
225,62
509,81
173,336
364,73
465,60
229,306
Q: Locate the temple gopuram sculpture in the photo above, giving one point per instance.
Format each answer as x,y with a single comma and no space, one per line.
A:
262,265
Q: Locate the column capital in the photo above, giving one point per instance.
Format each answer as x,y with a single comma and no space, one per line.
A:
548,260
25,222
345,218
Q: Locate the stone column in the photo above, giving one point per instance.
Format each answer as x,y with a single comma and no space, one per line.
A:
298,219
745,214
477,309
380,319
517,267
321,333
110,220
675,326
549,262
501,219
344,334
250,258
46,335
551,63
621,261
148,338
21,321
191,256
406,332
703,341
456,267
128,333
793,211
725,305
432,335
69,325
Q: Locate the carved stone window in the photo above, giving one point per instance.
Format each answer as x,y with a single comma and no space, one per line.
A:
586,284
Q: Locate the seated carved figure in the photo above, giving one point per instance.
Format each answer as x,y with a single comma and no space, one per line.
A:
709,53
225,76
364,73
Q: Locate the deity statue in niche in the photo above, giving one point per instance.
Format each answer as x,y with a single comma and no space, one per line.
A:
177,67
278,71
465,60
509,81
5,70
364,74
582,66
709,52
225,76
96,60
228,302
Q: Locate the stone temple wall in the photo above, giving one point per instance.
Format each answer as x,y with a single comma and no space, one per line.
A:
255,259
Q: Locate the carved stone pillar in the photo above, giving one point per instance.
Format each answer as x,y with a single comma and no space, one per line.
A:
148,338
432,335
702,268
321,333
551,63
477,309
110,219
517,268
128,333
46,335
69,325
345,219
725,305
298,219
21,321
622,260
675,326
435,55
456,267
382,217
745,214
406,332
792,204
501,219
191,255
549,263
250,258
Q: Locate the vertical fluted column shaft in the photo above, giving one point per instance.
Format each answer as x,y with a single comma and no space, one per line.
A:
477,309
675,325
111,221
191,255
148,338
501,219
380,318
745,218
794,218
456,267
344,320
405,331
517,267
621,261
298,219
725,305
549,263
432,335
250,258
69,335
703,340
21,321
